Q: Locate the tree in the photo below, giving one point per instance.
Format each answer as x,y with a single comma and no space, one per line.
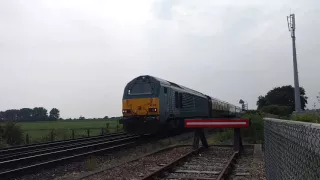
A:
39,114
2,117
11,115
106,117
82,118
54,114
282,96
25,114
262,102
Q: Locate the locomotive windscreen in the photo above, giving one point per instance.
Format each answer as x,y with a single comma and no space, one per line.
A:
140,88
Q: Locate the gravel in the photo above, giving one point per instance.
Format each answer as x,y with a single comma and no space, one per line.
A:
258,168
142,167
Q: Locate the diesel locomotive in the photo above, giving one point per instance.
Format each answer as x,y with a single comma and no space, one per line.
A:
151,104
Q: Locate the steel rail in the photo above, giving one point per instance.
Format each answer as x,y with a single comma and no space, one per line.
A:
29,159
171,165
20,148
228,167
30,168
223,174
56,148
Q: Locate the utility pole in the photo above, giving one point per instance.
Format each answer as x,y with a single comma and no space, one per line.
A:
292,28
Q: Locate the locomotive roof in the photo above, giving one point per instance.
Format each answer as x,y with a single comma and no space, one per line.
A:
169,83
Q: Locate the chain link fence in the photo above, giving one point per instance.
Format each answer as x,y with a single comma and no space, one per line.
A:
292,150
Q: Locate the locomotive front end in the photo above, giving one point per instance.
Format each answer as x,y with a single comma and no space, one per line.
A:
141,106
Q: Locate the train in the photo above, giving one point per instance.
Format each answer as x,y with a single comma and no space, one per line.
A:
151,105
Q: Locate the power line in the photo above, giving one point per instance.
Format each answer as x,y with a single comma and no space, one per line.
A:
292,28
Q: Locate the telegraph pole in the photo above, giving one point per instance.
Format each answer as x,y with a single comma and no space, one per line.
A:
292,28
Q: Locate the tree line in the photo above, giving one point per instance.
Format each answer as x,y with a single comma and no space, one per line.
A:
28,114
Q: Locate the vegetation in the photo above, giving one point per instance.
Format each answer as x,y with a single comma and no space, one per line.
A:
282,111
91,163
27,114
44,131
54,114
39,114
220,137
282,96
312,118
254,134
10,134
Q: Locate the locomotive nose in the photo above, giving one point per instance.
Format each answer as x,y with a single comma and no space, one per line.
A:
141,107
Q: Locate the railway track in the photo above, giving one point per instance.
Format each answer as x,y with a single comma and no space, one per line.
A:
16,151
215,163
17,161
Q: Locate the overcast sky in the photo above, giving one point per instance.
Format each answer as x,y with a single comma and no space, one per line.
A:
78,55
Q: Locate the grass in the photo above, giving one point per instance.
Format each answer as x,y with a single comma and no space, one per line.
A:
312,118
61,130
91,163
221,137
66,124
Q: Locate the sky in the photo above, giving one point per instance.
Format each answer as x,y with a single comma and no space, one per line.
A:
78,55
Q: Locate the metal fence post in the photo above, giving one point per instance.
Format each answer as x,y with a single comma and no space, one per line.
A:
52,138
102,131
88,131
72,133
27,139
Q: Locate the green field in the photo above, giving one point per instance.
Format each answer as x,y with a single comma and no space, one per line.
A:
61,130
67,124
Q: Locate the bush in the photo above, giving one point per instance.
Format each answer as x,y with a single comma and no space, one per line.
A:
11,134
254,134
277,110
2,141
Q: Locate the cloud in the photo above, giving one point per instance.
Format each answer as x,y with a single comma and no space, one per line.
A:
77,56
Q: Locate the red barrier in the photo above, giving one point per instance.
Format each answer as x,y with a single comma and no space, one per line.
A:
216,123
200,124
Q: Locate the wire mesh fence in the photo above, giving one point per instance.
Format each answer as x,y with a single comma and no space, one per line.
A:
292,149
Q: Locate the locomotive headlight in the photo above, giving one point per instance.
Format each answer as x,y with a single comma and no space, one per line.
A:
153,110
126,111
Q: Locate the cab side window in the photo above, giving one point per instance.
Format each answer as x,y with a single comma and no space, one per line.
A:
165,90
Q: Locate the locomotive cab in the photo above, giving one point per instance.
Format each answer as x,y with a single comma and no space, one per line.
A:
140,106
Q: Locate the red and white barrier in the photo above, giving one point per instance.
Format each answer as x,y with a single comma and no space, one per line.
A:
216,123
